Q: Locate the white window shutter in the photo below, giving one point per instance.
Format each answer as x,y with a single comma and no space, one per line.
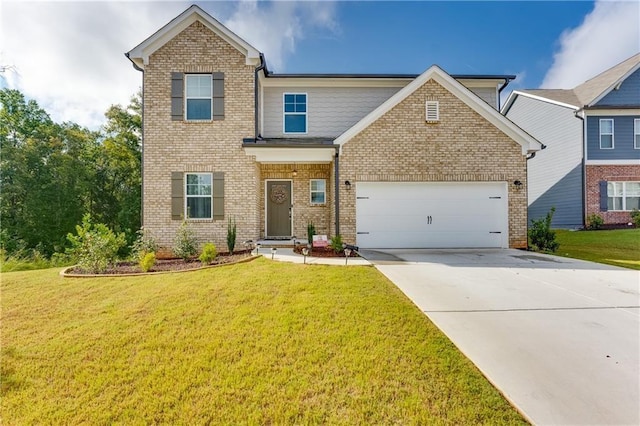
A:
433,111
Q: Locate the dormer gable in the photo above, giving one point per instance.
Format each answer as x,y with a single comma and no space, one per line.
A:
140,54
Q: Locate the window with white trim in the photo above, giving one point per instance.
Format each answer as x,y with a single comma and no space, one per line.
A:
606,133
199,196
636,133
295,113
623,196
199,97
318,191
432,111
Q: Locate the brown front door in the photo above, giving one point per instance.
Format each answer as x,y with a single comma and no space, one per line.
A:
279,206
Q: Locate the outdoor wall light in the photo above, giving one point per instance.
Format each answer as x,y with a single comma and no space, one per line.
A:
347,184
294,173
517,183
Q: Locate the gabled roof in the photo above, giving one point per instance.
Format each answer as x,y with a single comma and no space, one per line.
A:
140,54
586,94
561,97
525,140
591,91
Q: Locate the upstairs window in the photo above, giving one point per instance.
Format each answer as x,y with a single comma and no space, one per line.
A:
606,133
295,113
199,97
636,133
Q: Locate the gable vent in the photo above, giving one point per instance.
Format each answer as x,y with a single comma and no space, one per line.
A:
433,111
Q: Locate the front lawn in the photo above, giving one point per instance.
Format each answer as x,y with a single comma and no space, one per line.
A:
620,247
258,343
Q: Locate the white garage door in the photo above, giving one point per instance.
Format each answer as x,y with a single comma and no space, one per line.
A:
431,215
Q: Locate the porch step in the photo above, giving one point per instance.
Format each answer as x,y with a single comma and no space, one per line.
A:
288,242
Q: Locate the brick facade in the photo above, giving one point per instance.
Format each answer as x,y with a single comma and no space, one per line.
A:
215,146
401,147
595,174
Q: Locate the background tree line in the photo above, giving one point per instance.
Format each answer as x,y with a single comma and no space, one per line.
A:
52,174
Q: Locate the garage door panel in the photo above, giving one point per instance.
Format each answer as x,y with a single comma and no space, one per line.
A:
423,215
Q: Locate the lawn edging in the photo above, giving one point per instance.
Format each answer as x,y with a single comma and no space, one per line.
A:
65,274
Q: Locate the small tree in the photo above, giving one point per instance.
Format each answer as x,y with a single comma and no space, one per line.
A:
541,236
311,231
336,244
95,247
231,235
144,243
185,245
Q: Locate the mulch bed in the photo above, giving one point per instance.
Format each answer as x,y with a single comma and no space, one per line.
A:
322,252
164,265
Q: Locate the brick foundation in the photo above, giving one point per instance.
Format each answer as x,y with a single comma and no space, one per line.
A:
595,174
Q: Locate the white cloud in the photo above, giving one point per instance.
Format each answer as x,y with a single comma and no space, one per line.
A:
273,28
607,36
69,56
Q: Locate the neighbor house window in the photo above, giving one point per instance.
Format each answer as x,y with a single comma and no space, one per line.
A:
636,133
199,96
623,195
295,113
198,196
606,133
318,191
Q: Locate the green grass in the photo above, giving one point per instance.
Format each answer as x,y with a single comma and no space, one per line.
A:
258,343
620,247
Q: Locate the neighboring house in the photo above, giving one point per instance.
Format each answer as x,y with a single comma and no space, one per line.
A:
591,164
383,160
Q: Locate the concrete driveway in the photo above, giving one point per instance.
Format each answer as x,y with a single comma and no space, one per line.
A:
559,337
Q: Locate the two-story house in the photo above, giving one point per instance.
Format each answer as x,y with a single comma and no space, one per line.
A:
591,164
383,160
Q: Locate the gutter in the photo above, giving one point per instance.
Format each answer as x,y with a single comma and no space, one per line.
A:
336,164
580,115
262,66
507,80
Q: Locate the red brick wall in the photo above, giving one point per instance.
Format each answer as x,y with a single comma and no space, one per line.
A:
595,174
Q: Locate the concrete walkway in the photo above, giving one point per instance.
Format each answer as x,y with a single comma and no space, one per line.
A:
285,254
560,338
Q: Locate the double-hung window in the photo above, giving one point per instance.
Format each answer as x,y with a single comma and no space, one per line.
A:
199,97
295,113
636,133
318,191
606,133
623,196
199,196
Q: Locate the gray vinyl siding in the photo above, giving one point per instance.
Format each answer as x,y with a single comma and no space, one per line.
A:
330,110
554,175
487,94
627,95
622,139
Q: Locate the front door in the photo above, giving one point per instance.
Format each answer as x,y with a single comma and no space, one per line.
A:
279,206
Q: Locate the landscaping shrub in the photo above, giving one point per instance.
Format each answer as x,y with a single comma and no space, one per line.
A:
635,217
95,247
185,245
541,236
209,253
311,231
147,261
143,244
594,221
336,244
231,235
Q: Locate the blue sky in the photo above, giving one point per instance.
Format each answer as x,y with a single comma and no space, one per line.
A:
71,60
